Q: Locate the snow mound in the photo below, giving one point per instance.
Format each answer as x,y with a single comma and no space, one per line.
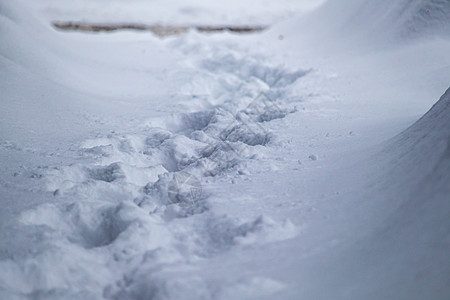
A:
373,22
415,234
405,18
424,148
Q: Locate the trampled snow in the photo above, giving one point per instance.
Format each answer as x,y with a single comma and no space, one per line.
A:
286,164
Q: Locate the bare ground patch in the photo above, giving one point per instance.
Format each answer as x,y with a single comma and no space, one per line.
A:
157,29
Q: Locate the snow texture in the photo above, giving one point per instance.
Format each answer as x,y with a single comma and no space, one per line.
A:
266,166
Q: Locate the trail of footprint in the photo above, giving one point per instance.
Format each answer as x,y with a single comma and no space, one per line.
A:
152,179
226,135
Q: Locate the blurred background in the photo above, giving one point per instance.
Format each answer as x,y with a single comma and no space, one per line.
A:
175,12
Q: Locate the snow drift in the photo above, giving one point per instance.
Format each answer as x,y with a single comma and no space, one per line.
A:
397,18
373,22
411,246
421,161
424,148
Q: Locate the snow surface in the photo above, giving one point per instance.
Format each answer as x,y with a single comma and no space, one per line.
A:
280,165
196,12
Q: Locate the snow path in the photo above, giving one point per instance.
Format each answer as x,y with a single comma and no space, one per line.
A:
123,206
154,209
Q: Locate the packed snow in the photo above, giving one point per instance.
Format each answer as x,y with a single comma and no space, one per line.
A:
307,161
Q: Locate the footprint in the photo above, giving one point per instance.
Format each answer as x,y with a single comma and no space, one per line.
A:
107,174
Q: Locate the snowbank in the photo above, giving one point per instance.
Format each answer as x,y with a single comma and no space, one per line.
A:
408,253
397,18
420,165
372,22
423,148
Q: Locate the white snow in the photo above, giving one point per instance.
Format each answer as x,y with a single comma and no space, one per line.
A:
196,12
286,164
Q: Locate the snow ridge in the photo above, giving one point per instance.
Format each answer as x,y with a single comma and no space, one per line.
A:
416,192
424,146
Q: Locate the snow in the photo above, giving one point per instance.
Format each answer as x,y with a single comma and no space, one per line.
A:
225,166
197,12
379,22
